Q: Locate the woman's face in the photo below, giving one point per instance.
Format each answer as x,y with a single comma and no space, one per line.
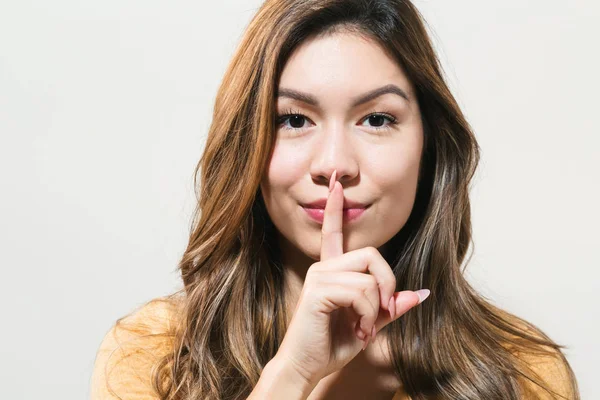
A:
337,125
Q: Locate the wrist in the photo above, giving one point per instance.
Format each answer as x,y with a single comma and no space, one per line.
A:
279,376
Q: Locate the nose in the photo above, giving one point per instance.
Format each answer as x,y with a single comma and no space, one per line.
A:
335,151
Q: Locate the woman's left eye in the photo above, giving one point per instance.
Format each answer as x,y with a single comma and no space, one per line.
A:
376,118
379,118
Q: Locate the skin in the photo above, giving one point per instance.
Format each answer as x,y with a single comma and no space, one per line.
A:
376,161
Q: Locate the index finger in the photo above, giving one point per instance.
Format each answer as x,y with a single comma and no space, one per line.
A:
332,243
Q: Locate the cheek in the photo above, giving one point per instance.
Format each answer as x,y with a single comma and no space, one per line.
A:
395,169
394,172
285,169
286,166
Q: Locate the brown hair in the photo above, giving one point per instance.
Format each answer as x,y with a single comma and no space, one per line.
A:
456,345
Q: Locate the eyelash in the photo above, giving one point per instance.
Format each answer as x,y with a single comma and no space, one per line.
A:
290,113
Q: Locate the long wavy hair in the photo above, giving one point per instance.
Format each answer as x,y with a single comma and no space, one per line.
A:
456,345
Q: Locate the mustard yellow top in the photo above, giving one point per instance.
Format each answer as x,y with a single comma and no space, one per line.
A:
128,362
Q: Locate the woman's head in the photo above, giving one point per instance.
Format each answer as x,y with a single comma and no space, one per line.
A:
258,169
343,103
255,174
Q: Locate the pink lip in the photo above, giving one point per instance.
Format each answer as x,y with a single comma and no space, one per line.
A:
322,202
350,214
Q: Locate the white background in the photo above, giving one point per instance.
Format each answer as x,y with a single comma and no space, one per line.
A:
104,111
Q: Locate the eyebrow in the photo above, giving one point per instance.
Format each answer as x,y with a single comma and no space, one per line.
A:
364,98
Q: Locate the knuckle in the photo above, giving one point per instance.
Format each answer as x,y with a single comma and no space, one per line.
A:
371,251
374,290
388,280
314,268
358,294
393,281
372,283
364,294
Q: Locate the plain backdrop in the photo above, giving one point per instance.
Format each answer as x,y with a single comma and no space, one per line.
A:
104,111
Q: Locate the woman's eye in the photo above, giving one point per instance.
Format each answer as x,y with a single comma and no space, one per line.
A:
378,119
296,121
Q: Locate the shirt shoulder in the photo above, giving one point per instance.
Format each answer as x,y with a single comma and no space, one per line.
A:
130,349
551,368
555,372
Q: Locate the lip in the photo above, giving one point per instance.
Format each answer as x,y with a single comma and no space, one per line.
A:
349,214
348,204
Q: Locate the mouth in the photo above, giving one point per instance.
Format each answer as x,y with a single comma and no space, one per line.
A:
349,214
348,204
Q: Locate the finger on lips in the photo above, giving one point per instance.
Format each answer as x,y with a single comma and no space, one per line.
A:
332,245
331,232
362,260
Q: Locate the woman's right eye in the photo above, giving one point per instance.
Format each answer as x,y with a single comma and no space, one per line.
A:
291,120
296,121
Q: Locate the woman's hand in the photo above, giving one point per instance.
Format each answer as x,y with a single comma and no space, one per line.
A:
345,300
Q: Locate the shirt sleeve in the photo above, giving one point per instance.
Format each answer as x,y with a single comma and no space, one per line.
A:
127,354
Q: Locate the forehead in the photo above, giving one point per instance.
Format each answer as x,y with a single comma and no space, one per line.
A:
341,63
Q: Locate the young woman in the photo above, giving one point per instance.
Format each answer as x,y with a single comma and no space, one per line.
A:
333,199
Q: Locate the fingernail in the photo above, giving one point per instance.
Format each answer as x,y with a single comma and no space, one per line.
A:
373,332
332,181
392,307
423,294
